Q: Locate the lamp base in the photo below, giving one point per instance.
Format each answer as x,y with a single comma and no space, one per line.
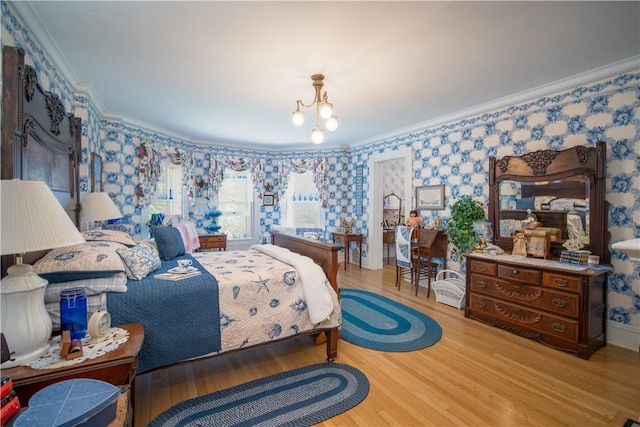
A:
26,324
24,359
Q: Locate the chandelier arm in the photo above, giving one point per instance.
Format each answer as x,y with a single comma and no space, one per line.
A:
305,105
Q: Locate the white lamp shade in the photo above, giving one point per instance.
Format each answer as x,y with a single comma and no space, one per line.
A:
98,207
33,219
326,110
317,136
297,118
332,123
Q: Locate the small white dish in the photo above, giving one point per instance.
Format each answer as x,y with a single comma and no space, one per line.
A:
179,270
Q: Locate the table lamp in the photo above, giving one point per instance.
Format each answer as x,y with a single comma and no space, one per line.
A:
31,219
98,207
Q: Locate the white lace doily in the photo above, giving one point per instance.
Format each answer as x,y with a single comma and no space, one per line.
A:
91,348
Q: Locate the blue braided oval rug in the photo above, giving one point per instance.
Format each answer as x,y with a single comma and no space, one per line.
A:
303,396
373,321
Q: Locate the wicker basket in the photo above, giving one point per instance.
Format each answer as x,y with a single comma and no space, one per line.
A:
450,288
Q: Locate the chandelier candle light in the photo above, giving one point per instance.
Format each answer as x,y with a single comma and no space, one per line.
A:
324,109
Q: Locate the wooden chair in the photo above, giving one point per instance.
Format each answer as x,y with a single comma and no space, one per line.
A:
405,252
430,255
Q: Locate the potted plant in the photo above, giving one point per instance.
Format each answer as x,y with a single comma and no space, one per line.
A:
460,227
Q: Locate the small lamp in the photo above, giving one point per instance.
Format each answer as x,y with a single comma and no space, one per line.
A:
32,219
98,207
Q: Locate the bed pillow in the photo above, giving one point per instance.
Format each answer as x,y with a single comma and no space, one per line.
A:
139,261
88,260
168,240
108,236
562,204
117,282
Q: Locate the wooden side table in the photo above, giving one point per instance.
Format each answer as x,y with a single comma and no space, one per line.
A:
118,367
346,239
213,241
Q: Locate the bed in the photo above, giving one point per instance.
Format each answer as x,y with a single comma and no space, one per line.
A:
240,299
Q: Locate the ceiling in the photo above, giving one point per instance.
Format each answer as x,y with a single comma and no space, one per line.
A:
229,73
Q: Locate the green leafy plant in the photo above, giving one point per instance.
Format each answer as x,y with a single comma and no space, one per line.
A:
464,212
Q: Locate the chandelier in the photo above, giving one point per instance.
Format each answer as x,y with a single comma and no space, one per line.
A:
324,109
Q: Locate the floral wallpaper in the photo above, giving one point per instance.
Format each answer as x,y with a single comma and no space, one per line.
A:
455,154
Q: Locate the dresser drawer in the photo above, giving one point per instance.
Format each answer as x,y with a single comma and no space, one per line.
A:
526,321
536,297
561,281
483,267
524,275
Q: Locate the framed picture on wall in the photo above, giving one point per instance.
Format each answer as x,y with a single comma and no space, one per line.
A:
430,197
267,199
96,172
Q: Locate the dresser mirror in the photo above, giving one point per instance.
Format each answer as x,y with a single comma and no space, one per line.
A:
562,192
560,206
391,210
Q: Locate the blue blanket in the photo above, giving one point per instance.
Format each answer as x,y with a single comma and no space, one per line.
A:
181,319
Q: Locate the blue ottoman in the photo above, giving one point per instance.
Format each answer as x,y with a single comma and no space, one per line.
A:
79,402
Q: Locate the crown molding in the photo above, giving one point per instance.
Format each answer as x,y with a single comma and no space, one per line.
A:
584,78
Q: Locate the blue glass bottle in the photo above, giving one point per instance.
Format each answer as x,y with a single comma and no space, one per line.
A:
73,312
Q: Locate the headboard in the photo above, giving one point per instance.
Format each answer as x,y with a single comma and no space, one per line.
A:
40,141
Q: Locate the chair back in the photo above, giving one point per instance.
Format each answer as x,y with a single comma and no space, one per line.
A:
404,237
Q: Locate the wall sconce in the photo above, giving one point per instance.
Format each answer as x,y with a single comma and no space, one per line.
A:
202,183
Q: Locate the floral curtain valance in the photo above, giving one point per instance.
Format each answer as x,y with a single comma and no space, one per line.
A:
317,165
238,164
152,156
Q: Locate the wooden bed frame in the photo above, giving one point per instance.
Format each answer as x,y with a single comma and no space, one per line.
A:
41,142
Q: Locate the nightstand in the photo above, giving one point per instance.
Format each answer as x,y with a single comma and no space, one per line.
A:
117,367
213,241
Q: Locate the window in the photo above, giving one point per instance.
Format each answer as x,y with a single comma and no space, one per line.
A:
169,194
303,208
235,201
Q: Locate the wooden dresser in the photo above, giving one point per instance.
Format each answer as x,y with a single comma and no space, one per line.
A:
213,241
560,305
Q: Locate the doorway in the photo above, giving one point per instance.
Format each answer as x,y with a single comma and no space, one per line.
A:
374,260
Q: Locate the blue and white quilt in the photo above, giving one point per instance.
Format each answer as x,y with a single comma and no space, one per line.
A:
269,296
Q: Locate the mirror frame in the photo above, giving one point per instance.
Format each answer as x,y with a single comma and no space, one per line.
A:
384,216
551,165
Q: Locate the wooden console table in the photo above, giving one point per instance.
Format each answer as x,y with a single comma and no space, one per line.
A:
346,239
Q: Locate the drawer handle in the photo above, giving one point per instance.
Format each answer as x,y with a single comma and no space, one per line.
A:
481,304
558,327
481,267
558,302
515,272
482,284
560,282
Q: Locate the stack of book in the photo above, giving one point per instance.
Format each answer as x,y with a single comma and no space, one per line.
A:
575,257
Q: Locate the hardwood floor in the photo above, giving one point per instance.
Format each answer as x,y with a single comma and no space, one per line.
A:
475,375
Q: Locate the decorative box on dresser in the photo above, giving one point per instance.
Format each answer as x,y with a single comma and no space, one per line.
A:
560,305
